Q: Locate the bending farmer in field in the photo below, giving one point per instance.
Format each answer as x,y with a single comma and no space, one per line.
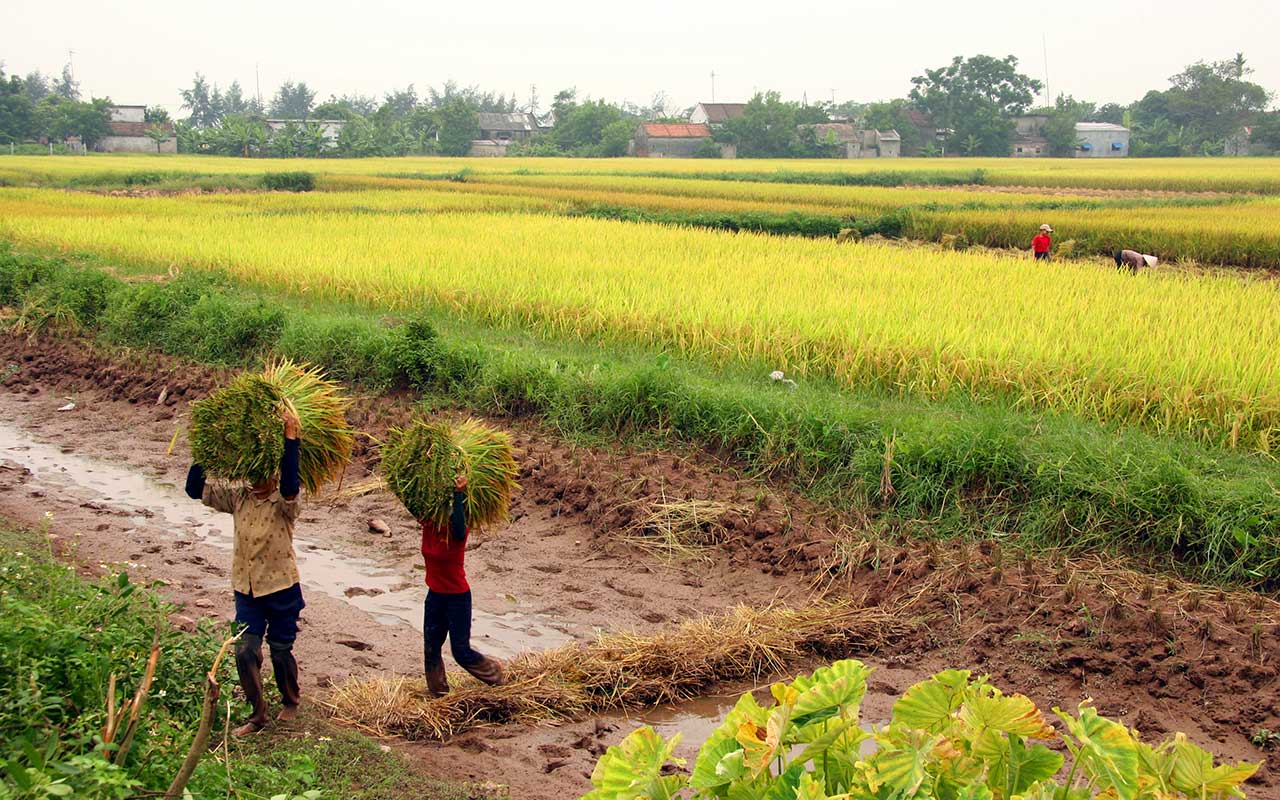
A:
1134,261
1041,244
264,575
447,611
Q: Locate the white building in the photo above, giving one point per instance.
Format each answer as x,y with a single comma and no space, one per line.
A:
1101,140
129,133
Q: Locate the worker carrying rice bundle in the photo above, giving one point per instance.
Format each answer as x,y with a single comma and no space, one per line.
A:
451,479
236,435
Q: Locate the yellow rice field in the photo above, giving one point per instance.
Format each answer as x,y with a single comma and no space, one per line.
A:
1179,174
1177,352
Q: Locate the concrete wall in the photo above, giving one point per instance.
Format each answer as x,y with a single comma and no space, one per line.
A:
128,114
134,144
1030,148
1100,144
488,148
890,148
667,148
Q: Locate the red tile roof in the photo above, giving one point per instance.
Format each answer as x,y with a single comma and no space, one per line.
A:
663,130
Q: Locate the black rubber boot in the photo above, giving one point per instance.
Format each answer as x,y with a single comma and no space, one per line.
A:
285,668
249,667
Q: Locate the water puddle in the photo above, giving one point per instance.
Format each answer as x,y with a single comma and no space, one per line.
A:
391,595
697,719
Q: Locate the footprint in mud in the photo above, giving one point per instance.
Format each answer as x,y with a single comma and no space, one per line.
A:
653,617
570,588
583,605
624,591
550,569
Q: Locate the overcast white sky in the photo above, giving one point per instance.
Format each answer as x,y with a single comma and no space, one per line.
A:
144,51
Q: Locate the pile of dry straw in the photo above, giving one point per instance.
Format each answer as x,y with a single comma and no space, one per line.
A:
620,670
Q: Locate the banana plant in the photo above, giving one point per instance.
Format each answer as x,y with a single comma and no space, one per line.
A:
951,737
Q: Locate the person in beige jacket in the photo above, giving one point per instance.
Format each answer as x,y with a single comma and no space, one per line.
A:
264,575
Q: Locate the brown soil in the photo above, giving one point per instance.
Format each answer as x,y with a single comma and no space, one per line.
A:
1157,653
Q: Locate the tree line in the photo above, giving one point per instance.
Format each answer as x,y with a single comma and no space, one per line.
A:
965,107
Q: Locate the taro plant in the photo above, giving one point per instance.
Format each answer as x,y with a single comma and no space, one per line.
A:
951,737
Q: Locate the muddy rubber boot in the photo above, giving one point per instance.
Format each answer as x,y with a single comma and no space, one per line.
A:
249,667
437,679
285,668
487,670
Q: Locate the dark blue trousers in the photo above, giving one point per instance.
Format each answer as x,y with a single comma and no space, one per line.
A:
274,616
448,616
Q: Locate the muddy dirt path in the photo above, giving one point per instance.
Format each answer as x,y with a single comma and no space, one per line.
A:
1156,653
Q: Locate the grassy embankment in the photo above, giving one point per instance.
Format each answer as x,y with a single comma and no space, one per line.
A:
62,638
956,466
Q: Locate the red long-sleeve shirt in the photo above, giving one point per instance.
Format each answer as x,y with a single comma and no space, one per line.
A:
443,557
444,547
1041,243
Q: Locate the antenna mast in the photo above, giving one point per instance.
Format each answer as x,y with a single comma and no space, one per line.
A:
1048,96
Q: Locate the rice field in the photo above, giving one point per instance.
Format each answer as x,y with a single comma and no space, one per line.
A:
1258,175
1188,354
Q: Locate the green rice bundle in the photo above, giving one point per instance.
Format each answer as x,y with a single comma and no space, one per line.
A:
420,462
237,432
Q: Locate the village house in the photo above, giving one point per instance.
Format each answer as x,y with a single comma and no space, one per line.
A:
1101,140
1093,139
499,130
332,128
854,142
1028,136
671,140
129,133
716,114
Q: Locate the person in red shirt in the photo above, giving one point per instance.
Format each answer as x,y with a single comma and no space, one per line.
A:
447,610
1041,244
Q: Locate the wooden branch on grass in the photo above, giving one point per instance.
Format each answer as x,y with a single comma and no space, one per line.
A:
200,744
140,697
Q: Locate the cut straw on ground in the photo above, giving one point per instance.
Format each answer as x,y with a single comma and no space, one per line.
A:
679,529
620,670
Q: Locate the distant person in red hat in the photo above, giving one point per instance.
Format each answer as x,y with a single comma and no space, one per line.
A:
1041,244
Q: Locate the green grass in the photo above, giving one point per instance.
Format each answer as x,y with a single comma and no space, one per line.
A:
957,467
61,638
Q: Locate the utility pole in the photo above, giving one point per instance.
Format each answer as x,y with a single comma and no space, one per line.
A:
257,84
713,85
1048,96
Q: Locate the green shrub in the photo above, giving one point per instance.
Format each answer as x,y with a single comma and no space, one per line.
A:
61,639
352,349
143,315
18,273
225,329
950,736
288,181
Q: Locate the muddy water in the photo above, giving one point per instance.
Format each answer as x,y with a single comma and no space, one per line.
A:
392,595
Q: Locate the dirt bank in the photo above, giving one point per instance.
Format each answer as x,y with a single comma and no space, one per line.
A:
1160,654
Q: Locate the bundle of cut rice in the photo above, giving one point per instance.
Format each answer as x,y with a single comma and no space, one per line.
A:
421,461
237,432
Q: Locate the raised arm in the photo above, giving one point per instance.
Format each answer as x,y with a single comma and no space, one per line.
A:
458,514
290,480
